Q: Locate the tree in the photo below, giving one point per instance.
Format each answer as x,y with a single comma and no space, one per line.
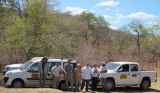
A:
29,34
100,30
134,26
86,20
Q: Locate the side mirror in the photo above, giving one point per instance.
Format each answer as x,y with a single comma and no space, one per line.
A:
120,70
29,70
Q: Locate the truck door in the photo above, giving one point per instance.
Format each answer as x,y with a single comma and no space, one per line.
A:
123,75
49,79
135,74
33,75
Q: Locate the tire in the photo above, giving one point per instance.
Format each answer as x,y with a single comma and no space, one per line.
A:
110,84
145,85
62,86
17,84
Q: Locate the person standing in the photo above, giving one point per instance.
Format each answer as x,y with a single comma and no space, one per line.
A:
86,76
95,76
68,68
77,76
55,72
103,76
43,69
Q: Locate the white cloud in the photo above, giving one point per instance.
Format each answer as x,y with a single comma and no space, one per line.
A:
75,10
117,21
153,23
140,15
116,10
107,16
107,9
119,15
108,3
114,27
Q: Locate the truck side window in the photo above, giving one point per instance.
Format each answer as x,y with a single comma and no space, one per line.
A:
34,67
134,67
51,64
124,68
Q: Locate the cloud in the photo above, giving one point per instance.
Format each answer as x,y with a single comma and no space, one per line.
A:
119,15
140,15
107,16
114,27
117,21
108,3
153,23
107,9
75,10
116,10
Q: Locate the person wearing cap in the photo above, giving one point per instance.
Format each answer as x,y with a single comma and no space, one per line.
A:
68,77
43,69
77,77
103,76
86,76
55,72
95,76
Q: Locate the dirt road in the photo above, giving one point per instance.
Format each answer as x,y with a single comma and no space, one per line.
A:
154,89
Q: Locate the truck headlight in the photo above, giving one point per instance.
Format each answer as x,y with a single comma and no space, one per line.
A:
8,74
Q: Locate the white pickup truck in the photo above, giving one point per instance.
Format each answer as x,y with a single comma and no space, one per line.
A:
129,74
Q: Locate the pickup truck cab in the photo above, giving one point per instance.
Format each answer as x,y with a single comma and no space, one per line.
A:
129,74
29,75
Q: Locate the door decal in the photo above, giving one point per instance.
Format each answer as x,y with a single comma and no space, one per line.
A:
123,76
34,76
134,75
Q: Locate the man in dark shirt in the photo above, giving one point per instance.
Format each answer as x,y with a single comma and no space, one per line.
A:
68,68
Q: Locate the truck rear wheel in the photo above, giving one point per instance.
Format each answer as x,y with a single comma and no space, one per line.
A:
145,85
110,84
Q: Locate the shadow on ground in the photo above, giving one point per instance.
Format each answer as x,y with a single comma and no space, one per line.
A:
128,90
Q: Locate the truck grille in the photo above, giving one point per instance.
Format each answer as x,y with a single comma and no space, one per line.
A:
5,79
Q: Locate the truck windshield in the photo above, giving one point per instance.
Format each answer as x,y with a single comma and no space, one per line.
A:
112,66
26,65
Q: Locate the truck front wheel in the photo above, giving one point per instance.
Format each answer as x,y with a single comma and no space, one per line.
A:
17,84
145,85
110,84
62,86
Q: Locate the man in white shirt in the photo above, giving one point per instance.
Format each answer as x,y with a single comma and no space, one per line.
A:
103,76
86,76
95,75
55,71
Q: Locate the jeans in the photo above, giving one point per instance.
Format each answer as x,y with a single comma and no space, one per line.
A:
42,80
103,81
70,79
83,83
94,82
56,81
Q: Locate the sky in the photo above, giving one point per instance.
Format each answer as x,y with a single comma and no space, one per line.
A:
117,12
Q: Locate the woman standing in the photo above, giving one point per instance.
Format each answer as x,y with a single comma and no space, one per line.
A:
78,77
